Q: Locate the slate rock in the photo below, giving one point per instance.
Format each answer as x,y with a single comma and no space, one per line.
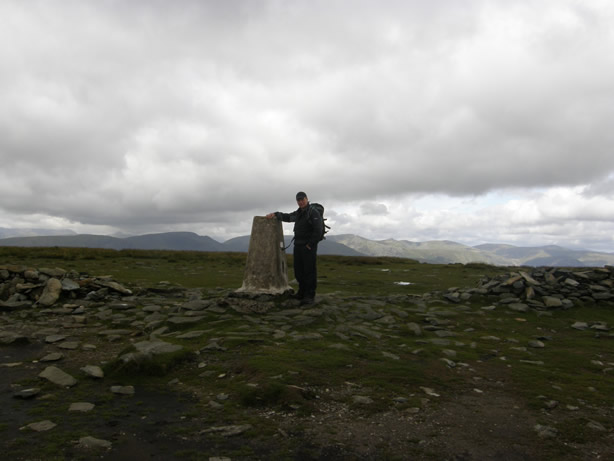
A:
545,432
54,339
123,390
51,293
52,272
551,301
89,442
184,320
57,376
594,425
197,304
69,285
191,334
390,355
41,426
121,306
444,333
518,307
27,393
30,274
448,362
93,371
53,357
82,407
429,391
116,287
228,431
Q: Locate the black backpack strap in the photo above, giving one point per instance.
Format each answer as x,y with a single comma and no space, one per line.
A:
289,244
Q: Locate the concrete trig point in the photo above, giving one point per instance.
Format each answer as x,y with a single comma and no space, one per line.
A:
266,270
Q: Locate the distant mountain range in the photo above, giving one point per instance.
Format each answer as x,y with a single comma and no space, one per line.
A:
443,251
12,232
438,251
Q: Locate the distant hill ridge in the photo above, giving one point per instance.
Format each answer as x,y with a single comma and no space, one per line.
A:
437,251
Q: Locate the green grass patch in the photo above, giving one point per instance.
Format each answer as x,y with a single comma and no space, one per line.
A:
192,269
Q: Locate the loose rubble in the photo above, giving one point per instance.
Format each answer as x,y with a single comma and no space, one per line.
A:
23,287
543,288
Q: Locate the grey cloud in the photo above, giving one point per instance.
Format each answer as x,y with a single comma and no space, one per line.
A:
603,187
154,113
373,209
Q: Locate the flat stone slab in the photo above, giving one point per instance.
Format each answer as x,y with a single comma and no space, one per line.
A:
69,285
83,407
27,393
191,334
518,307
93,370
228,431
551,301
116,287
53,357
41,426
54,338
184,320
90,442
57,376
362,399
444,333
123,390
118,331
52,271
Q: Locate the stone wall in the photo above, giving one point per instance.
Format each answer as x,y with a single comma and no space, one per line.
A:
22,287
543,288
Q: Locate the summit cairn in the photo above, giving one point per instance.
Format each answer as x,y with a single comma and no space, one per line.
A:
266,271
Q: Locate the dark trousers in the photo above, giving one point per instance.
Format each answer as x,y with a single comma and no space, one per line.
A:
305,270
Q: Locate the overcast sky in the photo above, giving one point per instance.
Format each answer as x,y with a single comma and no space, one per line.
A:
473,121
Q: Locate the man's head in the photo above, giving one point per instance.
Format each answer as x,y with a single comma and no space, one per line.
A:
302,200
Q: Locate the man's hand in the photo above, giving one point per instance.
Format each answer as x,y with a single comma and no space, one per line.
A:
270,215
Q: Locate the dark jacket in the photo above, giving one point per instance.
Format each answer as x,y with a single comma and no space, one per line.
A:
308,225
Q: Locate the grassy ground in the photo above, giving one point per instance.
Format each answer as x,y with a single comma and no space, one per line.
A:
191,269
299,396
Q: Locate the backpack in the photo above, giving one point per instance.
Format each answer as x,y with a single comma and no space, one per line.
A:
320,210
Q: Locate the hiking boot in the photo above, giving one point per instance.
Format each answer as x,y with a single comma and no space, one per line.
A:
307,301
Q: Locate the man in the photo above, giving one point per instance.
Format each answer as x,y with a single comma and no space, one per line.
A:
308,227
